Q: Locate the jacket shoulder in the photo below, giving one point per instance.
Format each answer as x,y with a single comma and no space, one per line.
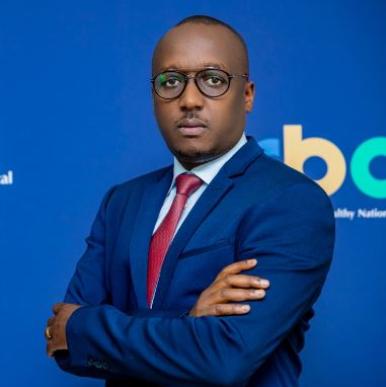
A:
270,181
140,180
278,176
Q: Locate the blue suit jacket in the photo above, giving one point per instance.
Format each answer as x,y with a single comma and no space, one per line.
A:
254,207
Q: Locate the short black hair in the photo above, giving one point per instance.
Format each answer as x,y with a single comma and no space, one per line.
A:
209,20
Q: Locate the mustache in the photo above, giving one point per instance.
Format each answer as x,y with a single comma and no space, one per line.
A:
191,120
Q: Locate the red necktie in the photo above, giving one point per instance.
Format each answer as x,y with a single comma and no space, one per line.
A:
186,184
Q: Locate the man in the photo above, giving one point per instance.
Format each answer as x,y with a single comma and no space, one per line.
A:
158,298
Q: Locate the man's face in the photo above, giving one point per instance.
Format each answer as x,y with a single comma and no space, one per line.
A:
195,127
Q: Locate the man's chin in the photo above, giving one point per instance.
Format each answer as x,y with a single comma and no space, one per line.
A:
195,157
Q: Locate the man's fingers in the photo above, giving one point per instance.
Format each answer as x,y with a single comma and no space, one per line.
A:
50,349
236,267
229,295
50,321
241,281
56,307
227,309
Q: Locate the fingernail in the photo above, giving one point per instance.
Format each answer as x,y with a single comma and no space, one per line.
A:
245,308
252,261
264,282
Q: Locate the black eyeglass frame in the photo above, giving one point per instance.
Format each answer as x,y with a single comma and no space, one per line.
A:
187,77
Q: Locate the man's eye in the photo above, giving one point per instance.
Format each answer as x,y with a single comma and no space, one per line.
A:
170,82
214,80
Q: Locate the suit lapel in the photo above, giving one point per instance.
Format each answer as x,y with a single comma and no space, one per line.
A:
220,185
208,200
149,207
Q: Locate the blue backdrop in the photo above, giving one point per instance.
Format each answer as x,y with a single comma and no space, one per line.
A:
76,117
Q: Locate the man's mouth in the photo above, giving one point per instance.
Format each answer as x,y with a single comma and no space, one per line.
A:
191,127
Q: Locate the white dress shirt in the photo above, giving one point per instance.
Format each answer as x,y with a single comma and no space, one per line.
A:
206,172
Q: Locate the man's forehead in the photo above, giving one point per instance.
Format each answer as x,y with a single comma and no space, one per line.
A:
196,46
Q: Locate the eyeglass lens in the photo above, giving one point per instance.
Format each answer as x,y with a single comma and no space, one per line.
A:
211,82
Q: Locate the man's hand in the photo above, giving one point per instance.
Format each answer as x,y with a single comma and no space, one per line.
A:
55,332
230,286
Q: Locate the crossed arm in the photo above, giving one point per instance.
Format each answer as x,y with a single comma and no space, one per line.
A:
213,349
221,298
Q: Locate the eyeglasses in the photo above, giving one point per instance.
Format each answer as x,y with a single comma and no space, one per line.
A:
211,82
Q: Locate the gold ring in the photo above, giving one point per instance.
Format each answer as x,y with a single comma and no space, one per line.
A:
48,333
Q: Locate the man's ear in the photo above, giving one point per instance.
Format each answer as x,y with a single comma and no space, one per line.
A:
249,96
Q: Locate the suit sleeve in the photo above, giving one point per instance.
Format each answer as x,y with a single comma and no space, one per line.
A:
88,286
292,237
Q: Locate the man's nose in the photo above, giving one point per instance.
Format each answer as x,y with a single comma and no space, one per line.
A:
191,98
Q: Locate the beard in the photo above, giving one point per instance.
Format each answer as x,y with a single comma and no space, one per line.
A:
195,158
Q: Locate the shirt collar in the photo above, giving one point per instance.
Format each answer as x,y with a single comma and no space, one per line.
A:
207,171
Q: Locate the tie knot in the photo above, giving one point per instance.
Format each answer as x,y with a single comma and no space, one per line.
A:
187,183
